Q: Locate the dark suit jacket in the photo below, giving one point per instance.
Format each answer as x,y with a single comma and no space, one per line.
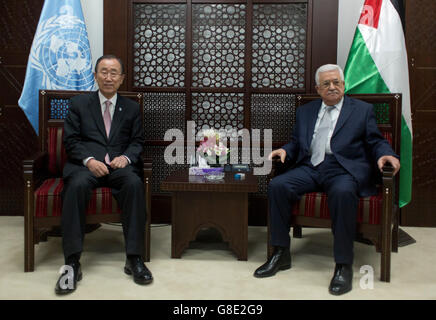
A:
356,142
85,134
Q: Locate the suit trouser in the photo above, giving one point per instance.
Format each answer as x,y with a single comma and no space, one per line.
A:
342,196
128,190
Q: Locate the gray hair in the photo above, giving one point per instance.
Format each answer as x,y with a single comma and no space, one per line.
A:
328,67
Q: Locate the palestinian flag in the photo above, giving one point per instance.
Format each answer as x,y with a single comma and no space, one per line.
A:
377,63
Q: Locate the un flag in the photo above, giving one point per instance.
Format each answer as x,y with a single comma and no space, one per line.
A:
60,57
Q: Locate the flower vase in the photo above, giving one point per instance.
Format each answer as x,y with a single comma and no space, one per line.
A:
216,161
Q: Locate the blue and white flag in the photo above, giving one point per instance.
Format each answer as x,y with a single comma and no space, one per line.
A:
60,58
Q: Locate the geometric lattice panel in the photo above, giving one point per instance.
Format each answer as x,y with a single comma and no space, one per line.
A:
218,110
218,45
163,111
381,111
159,45
279,45
265,176
161,169
59,108
276,112
263,184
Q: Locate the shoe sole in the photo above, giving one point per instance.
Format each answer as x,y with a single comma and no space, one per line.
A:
340,293
285,267
130,273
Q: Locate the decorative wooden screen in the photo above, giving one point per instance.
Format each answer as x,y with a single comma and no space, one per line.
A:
223,64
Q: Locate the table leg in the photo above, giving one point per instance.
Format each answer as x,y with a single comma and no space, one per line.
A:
225,211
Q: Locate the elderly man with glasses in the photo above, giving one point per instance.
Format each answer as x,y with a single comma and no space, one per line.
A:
103,139
335,145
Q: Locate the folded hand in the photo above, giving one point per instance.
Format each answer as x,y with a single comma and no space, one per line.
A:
98,168
119,162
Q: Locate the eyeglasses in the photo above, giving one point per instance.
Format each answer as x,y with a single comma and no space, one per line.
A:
326,84
113,75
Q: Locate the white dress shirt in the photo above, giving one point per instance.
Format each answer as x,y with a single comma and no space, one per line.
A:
334,115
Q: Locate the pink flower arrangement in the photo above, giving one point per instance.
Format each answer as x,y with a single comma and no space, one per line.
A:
212,148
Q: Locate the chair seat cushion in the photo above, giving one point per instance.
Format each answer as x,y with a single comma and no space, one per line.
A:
314,205
48,201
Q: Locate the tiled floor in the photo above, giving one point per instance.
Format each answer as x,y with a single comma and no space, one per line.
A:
209,271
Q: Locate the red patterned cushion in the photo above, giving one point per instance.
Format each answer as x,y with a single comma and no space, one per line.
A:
48,200
314,205
388,136
56,151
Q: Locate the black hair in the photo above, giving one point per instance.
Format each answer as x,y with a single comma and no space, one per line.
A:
109,56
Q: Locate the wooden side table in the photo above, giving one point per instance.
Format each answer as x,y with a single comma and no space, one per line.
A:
198,203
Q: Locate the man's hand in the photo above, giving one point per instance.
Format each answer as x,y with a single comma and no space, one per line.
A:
278,153
395,163
97,168
119,162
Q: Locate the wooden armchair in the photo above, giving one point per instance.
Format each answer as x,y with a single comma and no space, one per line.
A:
43,178
378,216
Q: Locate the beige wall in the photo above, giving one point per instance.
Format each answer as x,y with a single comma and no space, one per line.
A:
349,13
93,14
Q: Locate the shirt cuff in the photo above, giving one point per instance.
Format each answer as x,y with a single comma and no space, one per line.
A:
86,160
130,162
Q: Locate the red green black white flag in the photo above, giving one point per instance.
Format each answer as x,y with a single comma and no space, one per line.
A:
377,63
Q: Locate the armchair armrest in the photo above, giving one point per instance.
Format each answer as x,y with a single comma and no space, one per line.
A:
388,169
147,166
34,172
388,176
34,169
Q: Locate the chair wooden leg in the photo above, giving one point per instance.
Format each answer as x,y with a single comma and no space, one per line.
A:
147,241
29,235
147,195
395,234
269,248
29,246
385,265
297,232
386,246
386,237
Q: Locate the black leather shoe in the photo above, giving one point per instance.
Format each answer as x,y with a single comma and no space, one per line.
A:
135,266
279,260
342,280
67,282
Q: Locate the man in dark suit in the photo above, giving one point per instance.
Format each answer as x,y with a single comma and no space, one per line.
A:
334,148
103,138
